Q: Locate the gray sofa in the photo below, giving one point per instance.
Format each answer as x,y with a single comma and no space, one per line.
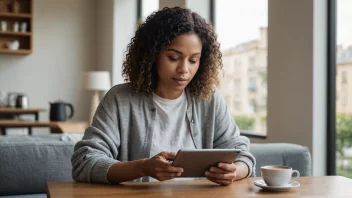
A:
27,163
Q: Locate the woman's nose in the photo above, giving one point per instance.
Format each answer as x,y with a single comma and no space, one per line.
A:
183,67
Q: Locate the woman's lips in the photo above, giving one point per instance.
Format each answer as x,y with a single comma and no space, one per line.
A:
180,81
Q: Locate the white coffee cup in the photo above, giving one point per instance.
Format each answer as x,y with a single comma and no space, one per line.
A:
278,175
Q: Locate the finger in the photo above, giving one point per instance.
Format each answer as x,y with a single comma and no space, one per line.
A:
161,164
168,155
167,174
228,176
174,169
220,181
229,167
218,170
166,167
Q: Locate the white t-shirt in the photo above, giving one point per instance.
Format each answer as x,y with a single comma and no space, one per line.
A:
171,132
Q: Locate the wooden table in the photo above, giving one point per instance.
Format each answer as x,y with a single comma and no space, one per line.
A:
56,127
327,186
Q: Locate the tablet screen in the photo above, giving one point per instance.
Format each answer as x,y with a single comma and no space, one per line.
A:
196,161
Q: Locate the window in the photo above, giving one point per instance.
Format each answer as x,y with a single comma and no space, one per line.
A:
148,7
252,86
343,124
264,78
237,64
344,77
252,106
243,39
251,62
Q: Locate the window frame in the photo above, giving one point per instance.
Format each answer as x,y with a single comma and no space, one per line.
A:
139,10
331,88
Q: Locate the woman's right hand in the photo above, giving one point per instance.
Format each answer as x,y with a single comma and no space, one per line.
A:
160,168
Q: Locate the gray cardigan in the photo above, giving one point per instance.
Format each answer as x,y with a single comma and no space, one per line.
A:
122,130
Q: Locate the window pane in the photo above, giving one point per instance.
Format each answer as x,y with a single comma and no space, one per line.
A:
148,7
343,88
243,38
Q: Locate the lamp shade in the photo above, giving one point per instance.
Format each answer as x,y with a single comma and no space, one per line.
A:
97,80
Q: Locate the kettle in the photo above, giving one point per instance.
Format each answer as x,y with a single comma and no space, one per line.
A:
18,100
22,101
58,111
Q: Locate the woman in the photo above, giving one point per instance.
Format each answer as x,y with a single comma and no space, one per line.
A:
170,103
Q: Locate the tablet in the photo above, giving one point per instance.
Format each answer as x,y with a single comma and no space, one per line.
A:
196,161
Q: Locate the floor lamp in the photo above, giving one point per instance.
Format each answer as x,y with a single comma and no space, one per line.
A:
96,81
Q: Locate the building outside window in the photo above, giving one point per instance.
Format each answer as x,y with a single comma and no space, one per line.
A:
243,39
344,88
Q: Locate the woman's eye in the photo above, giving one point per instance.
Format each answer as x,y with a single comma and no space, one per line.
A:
192,61
172,58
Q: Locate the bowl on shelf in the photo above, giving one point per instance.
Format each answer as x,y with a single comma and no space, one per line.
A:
13,45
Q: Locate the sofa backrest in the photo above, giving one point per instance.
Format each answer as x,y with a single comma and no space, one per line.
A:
293,155
27,163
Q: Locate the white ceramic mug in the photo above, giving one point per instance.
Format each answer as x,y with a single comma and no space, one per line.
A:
3,25
14,45
278,175
16,27
23,27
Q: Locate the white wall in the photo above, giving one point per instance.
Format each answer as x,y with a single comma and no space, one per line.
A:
105,35
297,76
64,47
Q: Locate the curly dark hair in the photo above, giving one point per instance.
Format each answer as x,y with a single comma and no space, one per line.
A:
155,34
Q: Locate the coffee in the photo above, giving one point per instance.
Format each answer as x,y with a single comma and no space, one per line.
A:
278,175
276,167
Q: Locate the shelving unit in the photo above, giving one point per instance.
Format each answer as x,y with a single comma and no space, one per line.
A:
24,14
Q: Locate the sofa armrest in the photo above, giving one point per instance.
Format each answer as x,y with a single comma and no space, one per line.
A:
293,155
27,163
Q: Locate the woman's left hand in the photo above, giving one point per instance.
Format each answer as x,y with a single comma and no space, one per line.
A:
225,173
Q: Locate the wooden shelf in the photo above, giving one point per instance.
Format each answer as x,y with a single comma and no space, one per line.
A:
18,52
16,33
15,15
57,127
20,110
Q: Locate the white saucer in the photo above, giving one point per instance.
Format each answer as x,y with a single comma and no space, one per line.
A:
260,183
